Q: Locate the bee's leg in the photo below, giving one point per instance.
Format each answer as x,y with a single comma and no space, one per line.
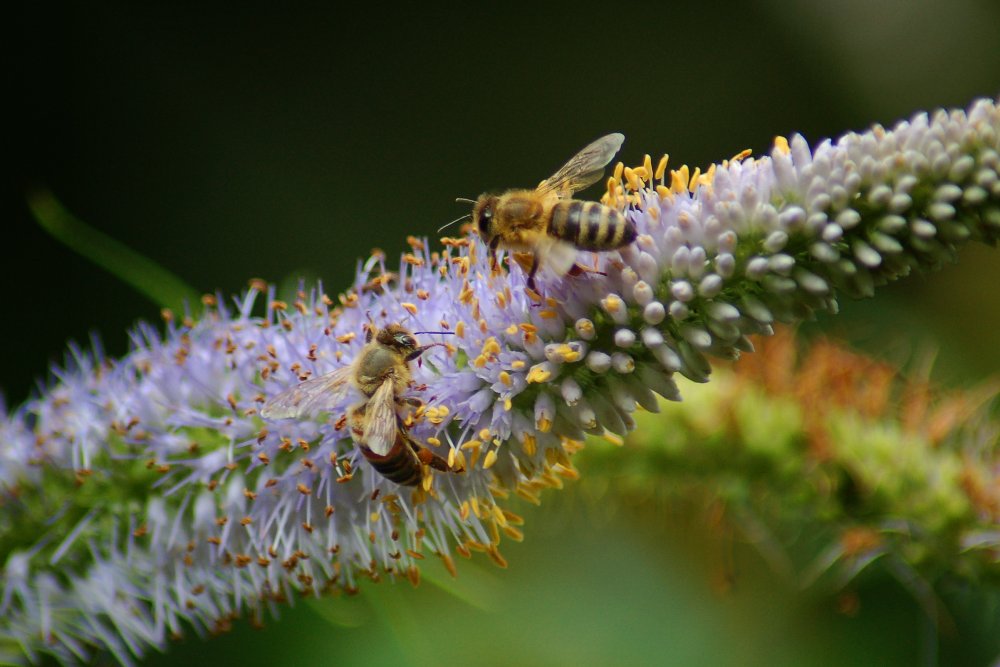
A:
420,350
531,273
429,458
579,270
412,401
494,263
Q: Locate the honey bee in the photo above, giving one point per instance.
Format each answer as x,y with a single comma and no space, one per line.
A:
549,224
381,373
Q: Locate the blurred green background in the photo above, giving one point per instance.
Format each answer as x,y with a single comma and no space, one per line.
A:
234,140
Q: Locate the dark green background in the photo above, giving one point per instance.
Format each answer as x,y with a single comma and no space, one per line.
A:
236,140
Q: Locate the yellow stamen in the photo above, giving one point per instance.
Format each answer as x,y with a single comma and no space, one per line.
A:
613,438
538,373
491,458
410,307
742,155
781,145
497,558
612,304
632,179
679,179
609,196
693,183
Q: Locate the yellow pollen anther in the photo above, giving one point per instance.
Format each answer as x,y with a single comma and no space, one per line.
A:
518,364
742,155
679,179
507,404
505,378
548,314
411,308
567,353
471,444
460,329
433,441
647,166
694,182
709,176
539,373
619,168
529,444
612,186
511,330
781,145
613,438
544,425
612,303
491,347
484,434
661,167
632,179
664,192
491,458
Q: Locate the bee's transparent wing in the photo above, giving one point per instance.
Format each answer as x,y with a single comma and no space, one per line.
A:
380,420
583,169
315,395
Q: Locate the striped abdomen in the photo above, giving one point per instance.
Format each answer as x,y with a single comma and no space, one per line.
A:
400,465
590,226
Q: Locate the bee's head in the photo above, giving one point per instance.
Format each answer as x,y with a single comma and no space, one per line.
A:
482,216
397,337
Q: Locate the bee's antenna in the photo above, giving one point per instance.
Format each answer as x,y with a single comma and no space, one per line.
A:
467,215
443,333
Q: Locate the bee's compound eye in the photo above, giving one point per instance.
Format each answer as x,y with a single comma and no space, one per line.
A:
405,340
485,221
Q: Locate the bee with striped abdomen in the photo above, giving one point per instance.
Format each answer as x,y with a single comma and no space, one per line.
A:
548,223
381,373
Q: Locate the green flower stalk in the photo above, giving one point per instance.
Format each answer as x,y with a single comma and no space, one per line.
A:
146,495
830,463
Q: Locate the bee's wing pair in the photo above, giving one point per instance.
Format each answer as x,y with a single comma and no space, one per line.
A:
583,169
327,392
319,394
380,420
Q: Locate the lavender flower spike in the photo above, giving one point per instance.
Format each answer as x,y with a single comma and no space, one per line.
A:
143,495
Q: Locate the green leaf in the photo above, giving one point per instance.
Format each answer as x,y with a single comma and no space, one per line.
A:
150,279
